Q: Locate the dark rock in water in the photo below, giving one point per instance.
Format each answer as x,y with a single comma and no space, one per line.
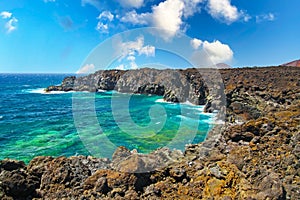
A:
173,85
255,155
68,83
53,88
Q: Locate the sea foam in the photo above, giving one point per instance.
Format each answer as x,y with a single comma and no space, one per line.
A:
42,91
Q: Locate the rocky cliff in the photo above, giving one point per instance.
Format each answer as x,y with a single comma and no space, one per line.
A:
174,85
256,155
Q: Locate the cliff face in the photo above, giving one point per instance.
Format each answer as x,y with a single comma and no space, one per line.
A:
174,85
255,156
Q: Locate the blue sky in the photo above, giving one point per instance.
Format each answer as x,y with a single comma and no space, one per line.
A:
58,35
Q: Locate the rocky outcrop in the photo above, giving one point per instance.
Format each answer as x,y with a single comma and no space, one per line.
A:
255,156
173,85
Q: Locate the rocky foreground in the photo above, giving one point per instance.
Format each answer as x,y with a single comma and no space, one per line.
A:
255,156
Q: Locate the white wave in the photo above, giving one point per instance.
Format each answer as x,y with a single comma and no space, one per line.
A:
211,120
163,101
160,101
188,103
42,91
1,117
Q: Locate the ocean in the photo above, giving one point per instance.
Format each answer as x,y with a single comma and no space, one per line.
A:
35,123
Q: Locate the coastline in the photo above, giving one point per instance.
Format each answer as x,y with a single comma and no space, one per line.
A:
256,158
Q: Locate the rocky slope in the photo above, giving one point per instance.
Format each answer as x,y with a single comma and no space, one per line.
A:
255,156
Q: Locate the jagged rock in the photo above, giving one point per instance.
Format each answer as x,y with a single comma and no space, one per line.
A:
15,181
255,155
10,165
173,85
132,162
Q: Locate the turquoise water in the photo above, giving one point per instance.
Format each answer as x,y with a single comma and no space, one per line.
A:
33,123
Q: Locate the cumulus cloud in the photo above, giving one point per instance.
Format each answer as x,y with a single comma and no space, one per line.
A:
129,50
106,15
265,17
191,7
168,17
210,53
5,15
88,68
11,24
196,43
102,28
218,52
132,48
104,18
224,11
136,19
131,3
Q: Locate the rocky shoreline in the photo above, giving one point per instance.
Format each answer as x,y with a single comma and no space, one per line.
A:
197,86
254,156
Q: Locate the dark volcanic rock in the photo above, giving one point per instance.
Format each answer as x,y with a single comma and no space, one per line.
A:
15,181
173,85
132,162
254,156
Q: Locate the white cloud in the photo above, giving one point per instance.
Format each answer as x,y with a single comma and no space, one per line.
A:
5,15
191,7
166,16
101,27
131,3
104,18
224,11
95,3
147,50
46,1
217,51
132,48
131,58
211,53
136,19
169,15
129,50
106,15
246,16
196,43
11,25
265,17
88,68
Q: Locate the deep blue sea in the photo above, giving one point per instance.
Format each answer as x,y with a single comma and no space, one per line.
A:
35,123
